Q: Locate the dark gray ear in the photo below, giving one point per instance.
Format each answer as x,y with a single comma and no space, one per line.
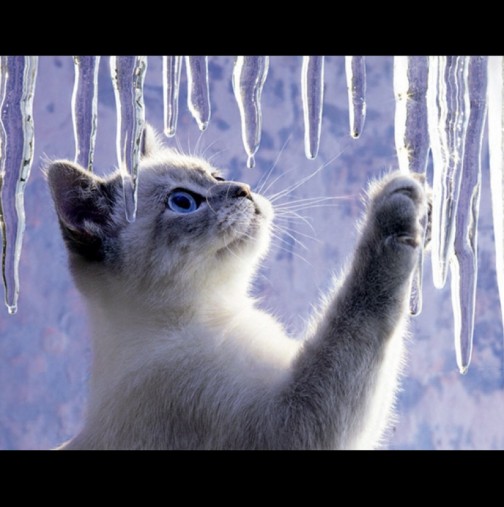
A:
150,141
84,204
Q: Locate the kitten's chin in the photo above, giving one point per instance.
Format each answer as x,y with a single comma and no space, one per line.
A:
252,241
263,207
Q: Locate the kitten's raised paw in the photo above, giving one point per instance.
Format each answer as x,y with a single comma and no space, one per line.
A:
398,205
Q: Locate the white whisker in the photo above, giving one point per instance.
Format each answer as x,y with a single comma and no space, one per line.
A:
289,251
295,231
280,176
294,215
206,148
287,233
268,174
304,180
310,206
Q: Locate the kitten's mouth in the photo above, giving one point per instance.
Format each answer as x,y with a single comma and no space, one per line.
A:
244,229
240,237
246,236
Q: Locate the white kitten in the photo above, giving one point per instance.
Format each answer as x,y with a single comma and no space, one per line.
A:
183,358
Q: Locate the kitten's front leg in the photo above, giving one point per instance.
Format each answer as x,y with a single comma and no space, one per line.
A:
343,382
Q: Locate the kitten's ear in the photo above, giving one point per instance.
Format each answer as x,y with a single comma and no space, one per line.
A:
84,204
150,142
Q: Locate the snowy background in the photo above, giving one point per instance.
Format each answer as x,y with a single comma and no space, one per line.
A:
45,349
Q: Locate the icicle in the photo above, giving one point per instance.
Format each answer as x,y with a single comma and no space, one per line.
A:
464,265
312,94
17,144
412,136
85,108
355,70
249,75
128,74
198,95
496,145
448,112
411,128
172,66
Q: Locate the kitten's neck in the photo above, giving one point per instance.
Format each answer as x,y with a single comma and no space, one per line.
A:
127,331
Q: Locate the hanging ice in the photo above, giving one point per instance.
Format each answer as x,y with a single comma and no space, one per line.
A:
496,144
172,66
249,75
312,94
198,95
411,129
412,135
128,74
448,113
16,137
355,70
464,265
85,108
455,116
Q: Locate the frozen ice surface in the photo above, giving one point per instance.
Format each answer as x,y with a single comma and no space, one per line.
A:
355,70
249,76
85,108
198,94
412,136
128,74
496,145
312,93
464,265
448,114
411,128
172,66
17,146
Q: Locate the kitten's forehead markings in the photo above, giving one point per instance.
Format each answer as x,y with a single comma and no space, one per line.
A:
194,175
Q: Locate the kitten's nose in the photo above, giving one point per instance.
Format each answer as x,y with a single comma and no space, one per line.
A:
241,190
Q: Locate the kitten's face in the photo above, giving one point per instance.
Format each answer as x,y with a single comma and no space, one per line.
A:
192,226
189,217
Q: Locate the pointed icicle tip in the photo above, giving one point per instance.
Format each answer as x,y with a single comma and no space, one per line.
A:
463,369
169,132
251,162
355,134
12,309
416,310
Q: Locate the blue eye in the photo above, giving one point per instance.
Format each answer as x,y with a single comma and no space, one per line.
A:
181,201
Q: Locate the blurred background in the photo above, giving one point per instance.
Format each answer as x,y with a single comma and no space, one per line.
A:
45,347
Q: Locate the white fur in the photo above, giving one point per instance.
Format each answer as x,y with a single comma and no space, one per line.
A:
184,358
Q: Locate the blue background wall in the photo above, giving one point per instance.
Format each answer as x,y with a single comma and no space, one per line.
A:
44,348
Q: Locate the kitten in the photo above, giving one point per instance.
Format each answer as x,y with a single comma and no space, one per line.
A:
183,358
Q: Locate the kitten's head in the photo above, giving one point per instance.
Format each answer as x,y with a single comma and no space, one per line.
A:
193,229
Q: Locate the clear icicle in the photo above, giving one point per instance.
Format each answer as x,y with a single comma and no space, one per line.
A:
198,94
464,265
411,128
355,70
448,113
128,75
85,108
172,66
412,135
17,145
249,75
312,94
496,145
